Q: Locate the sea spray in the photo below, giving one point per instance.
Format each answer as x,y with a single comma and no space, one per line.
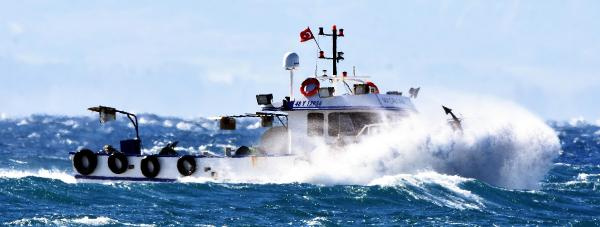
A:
501,144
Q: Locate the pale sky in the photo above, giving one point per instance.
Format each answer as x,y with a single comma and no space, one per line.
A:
205,58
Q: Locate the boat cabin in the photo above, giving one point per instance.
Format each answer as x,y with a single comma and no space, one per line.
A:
334,109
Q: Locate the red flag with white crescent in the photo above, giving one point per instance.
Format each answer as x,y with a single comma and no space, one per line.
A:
306,35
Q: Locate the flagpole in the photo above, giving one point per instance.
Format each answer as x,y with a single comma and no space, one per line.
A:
315,39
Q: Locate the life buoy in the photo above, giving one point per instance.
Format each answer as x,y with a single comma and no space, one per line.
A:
112,163
186,165
306,83
150,172
85,162
371,84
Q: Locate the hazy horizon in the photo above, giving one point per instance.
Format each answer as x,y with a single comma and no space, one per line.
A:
192,59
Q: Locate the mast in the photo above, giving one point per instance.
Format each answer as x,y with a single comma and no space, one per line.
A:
336,56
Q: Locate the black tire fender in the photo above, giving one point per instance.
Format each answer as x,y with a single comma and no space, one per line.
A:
182,168
145,166
92,160
112,163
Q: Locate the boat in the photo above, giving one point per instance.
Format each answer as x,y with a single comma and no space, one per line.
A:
336,110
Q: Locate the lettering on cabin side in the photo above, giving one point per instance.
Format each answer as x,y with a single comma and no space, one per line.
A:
391,101
307,103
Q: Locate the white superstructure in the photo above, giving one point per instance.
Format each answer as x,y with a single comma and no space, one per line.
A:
332,109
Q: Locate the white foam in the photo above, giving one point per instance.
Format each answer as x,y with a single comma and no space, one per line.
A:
33,135
71,123
585,177
254,126
200,180
22,122
459,199
316,221
85,220
17,161
184,126
93,221
144,121
577,121
167,123
209,125
42,173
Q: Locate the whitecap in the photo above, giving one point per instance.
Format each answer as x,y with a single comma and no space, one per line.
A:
23,122
316,221
144,121
17,161
462,199
254,126
85,220
199,180
577,121
33,135
209,125
585,177
184,126
41,173
72,123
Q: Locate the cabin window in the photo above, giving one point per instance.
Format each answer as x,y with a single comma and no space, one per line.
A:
316,124
349,124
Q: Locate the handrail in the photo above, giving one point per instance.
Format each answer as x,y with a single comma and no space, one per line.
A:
367,128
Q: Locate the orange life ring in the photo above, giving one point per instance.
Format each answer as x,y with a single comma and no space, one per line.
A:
306,83
371,84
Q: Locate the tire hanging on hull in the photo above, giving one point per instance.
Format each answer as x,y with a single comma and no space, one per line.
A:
145,166
112,163
186,169
78,162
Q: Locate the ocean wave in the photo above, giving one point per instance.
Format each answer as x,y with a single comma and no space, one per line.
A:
458,198
588,177
85,220
184,126
198,180
41,173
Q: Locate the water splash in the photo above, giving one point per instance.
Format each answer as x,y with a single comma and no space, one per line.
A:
501,144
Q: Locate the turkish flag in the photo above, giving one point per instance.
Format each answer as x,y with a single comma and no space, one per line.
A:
306,35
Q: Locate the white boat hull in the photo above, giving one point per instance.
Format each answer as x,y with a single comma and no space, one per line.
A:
208,168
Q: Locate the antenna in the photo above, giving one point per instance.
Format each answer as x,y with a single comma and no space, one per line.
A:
291,61
337,56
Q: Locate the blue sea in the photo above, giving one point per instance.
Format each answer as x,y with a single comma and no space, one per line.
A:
37,186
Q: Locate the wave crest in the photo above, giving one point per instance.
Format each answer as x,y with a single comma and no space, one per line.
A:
41,173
